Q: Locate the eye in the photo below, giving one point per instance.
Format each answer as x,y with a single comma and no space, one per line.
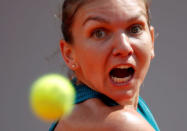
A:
99,33
136,29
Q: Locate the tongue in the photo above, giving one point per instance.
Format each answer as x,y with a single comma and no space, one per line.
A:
121,73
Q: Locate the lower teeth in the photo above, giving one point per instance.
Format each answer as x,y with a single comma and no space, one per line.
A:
120,80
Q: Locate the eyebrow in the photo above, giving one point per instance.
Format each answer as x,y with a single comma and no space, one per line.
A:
137,17
95,18
100,19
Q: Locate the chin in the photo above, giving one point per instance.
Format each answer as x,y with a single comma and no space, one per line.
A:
124,95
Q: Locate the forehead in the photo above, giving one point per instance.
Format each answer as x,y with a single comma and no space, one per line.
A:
112,9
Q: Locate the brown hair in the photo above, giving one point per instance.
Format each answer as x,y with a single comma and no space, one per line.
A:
69,9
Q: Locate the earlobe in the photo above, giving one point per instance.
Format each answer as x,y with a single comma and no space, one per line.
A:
67,53
152,32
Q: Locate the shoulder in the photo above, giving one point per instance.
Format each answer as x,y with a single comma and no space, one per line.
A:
127,120
86,116
93,115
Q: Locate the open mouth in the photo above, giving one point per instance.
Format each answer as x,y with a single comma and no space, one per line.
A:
121,74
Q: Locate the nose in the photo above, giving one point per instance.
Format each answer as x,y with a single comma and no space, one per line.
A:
122,46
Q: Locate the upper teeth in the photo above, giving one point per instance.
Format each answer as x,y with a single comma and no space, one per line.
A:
123,67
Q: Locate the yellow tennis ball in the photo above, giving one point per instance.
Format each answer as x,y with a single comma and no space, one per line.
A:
52,97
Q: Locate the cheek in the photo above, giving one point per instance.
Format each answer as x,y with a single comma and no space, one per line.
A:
89,60
92,53
142,50
83,58
91,66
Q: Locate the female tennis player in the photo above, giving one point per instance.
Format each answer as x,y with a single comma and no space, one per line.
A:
109,45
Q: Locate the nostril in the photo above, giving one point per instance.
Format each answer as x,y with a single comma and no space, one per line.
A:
130,53
117,54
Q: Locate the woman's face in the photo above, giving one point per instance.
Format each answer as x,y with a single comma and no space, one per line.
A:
112,46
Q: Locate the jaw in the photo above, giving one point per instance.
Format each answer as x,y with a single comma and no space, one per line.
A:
126,91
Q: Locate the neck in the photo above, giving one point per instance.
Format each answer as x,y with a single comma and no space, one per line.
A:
83,93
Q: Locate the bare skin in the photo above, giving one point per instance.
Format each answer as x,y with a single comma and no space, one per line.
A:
93,115
109,34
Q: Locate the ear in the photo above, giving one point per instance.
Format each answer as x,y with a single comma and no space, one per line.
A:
68,54
152,32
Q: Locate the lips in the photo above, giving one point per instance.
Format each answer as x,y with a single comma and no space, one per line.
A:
122,74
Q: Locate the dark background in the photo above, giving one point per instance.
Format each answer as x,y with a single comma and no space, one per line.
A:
29,37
